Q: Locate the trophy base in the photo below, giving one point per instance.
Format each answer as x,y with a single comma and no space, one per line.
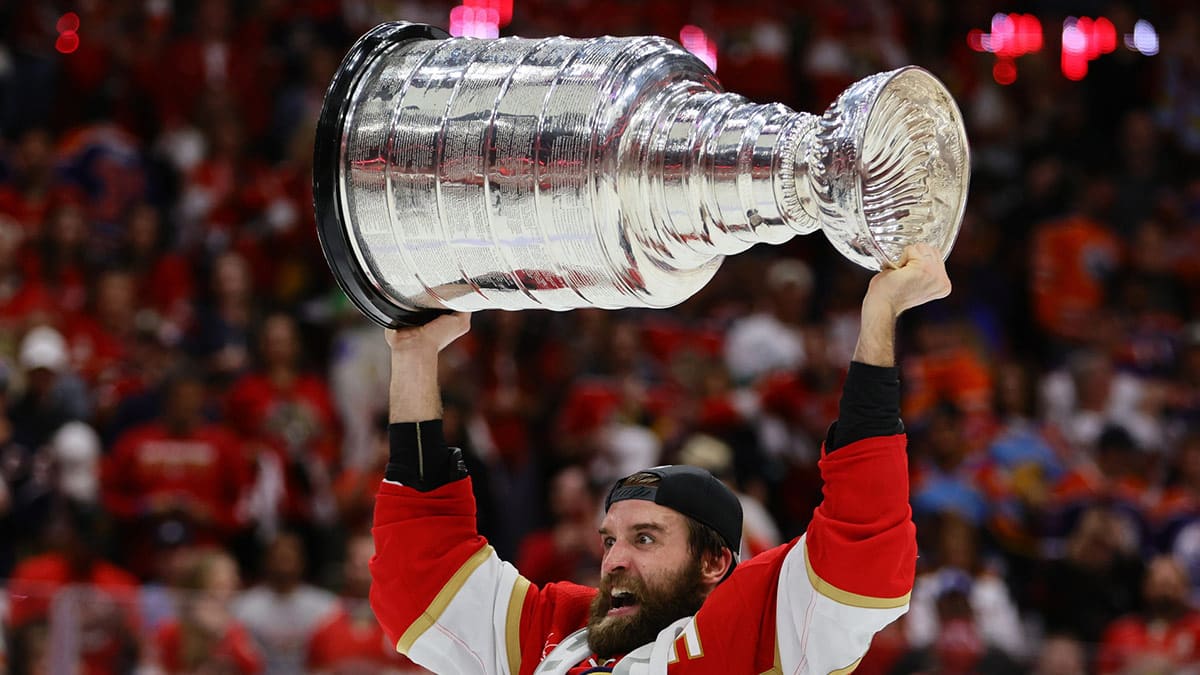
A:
363,291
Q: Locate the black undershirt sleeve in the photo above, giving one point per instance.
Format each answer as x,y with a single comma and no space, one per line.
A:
870,406
418,456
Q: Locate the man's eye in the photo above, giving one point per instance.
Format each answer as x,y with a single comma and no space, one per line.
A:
645,539
608,542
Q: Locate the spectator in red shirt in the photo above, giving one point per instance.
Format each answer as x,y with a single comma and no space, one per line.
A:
206,637
62,259
351,641
23,299
103,599
177,478
291,411
164,279
1165,636
567,549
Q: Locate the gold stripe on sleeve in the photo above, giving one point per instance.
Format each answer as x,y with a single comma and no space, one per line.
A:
442,600
847,598
512,627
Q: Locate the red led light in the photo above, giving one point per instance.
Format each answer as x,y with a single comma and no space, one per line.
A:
67,42
1004,72
67,23
1104,34
975,40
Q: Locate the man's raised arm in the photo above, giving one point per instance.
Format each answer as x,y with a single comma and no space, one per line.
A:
419,456
853,573
439,591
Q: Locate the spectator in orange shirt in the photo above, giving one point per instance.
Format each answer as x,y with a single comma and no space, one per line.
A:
1073,258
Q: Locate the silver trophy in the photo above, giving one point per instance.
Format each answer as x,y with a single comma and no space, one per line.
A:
464,174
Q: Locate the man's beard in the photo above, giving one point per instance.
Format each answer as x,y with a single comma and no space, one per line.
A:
657,608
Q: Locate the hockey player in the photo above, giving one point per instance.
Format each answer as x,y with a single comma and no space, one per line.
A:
672,598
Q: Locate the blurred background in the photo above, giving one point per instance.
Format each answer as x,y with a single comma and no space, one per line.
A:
192,416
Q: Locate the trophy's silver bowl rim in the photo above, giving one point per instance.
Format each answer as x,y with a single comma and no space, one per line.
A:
332,231
927,80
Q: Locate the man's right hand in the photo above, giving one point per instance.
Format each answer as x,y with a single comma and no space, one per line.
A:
433,337
413,395
919,278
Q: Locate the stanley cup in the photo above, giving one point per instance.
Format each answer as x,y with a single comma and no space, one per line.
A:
464,174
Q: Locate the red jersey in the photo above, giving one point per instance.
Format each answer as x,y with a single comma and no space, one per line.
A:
352,642
234,652
809,606
300,415
204,472
107,610
1131,639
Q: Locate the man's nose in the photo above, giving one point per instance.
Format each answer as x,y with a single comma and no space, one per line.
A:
617,558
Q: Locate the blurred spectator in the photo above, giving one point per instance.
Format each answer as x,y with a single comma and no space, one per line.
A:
1095,581
1175,514
221,333
1183,384
176,479
206,638
1061,655
101,338
75,452
1089,394
945,470
23,298
284,408
283,612
772,338
956,567
958,647
1165,637
29,190
351,641
944,366
61,258
567,551
358,383
1024,460
53,394
164,279
1073,258
1117,475
71,580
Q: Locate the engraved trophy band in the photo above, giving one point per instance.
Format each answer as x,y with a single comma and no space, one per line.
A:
464,174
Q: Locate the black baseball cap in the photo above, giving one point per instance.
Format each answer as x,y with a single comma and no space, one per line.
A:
695,493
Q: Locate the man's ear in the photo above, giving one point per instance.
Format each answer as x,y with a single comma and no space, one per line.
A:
713,567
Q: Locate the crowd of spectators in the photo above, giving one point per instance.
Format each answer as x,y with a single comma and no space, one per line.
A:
193,418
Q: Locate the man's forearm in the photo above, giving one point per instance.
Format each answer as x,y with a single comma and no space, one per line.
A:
414,394
877,337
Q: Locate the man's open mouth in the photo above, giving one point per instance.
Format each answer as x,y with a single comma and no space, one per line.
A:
622,601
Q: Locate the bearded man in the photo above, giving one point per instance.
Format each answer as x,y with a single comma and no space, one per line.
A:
672,597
